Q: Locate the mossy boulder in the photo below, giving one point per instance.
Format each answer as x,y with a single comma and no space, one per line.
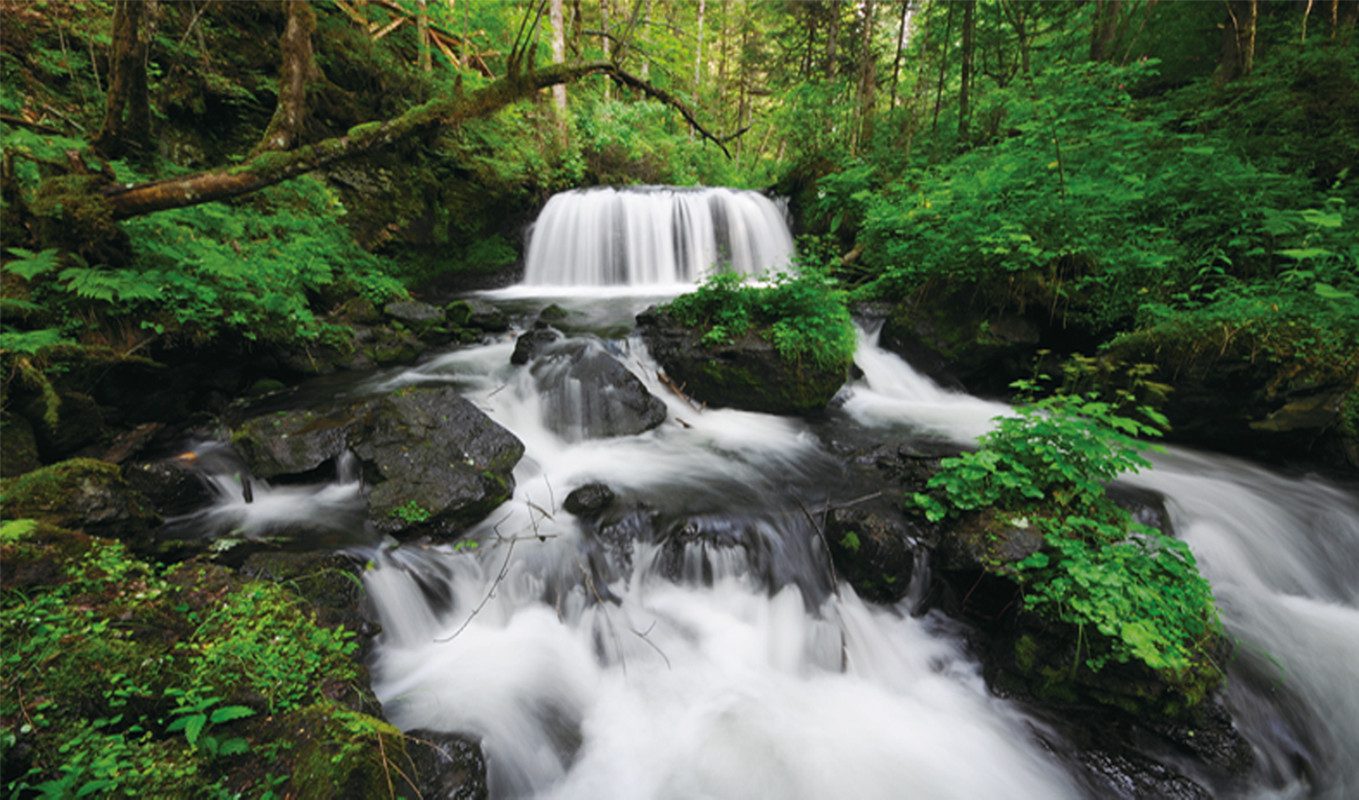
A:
84,494
747,373
875,552
1251,393
961,345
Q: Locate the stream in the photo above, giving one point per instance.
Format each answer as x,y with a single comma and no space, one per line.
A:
724,661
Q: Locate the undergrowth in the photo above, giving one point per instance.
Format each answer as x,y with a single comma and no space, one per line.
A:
1046,468
800,312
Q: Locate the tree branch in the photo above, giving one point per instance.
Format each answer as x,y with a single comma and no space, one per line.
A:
270,167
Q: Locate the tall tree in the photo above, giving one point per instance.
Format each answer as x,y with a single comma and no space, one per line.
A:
126,129
297,70
1104,32
965,84
559,54
867,81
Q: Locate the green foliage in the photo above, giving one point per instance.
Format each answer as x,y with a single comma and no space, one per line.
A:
108,710
257,640
196,717
410,512
801,313
1046,468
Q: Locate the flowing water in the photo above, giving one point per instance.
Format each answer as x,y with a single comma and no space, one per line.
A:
721,662
658,235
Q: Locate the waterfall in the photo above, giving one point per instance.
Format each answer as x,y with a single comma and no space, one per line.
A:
654,236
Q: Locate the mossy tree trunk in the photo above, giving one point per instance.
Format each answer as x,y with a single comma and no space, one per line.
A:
127,107
298,69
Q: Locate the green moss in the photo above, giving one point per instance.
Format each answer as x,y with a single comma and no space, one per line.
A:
342,753
51,487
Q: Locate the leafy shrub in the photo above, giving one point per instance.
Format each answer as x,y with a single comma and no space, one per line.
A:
801,313
1046,468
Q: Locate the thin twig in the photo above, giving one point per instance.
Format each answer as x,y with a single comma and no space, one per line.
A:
821,534
504,570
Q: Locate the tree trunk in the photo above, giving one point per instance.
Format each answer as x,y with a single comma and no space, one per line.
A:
422,33
269,168
559,55
901,46
1014,12
868,82
127,109
298,69
943,67
1238,42
832,38
698,51
965,84
1104,33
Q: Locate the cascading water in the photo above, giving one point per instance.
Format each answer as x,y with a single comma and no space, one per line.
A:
654,235
700,649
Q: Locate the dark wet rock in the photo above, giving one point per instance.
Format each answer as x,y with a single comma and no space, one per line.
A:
446,765
961,345
1127,775
748,373
293,442
875,552
424,321
434,461
63,427
586,393
982,540
433,458
384,347
472,312
589,500
20,446
81,494
171,486
532,342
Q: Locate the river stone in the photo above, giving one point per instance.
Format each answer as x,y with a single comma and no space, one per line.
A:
435,453
434,460
171,487
586,393
747,373
472,312
446,765
82,494
531,342
590,499
873,551
413,312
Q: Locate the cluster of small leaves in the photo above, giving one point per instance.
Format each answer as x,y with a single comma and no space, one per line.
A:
1046,467
257,640
801,313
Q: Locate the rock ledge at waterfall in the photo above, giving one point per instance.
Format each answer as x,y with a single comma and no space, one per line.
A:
747,373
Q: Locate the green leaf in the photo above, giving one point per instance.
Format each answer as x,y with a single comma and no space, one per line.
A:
1330,292
228,713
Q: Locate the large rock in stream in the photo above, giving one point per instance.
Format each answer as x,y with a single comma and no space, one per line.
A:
435,462
747,373
587,394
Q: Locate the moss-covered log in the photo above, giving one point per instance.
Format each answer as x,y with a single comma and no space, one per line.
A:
271,167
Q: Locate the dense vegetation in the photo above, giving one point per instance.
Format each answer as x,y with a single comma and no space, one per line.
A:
1167,188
